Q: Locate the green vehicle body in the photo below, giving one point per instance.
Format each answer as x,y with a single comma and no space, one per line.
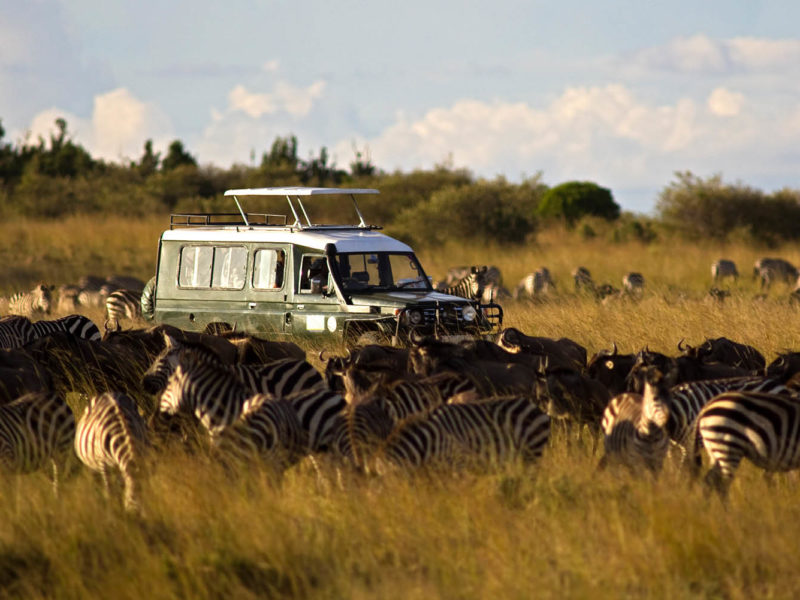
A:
257,274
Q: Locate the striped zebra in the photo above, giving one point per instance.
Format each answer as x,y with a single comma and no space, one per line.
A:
764,428
583,279
410,398
770,270
688,399
15,331
36,302
318,411
77,325
535,285
34,429
279,378
634,425
267,429
494,430
123,304
470,287
723,268
111,435
358,431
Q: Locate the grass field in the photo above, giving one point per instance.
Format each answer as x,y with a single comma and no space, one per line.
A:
555,529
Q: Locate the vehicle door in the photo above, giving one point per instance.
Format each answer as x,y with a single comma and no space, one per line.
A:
269,289
316,302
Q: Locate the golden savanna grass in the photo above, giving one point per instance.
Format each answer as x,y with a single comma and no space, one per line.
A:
554,529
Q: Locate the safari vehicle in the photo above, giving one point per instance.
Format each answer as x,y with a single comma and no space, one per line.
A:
259,272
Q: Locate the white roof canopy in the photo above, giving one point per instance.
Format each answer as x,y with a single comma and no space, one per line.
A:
298,191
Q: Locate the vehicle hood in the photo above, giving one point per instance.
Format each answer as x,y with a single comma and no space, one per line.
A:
403,298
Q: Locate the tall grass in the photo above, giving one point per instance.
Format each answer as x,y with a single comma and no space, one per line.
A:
554,529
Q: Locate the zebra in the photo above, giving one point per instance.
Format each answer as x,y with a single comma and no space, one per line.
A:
762,427
769,270
112,435
15,331
36,428
633,283
534,285
634,425
36,302
358,430
409,398
279,378
318,410
723,268
268,428
688,399
122,304
493,430
470,287
76,325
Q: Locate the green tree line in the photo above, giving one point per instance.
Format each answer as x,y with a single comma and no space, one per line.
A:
56,177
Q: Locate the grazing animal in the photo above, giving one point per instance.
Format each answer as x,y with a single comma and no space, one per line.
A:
28,304
583,279
633,283
722,269
359,431
15,331
764,428
76,325
635,426
770,270
470,287
123,304
535,285
493,431
34,429
111,435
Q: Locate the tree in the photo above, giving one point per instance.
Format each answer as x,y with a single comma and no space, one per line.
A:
176,157
576,199
148,164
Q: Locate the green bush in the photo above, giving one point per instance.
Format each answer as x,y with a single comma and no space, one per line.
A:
575,199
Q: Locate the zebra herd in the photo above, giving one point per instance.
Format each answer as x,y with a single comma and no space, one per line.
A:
485,283
376,409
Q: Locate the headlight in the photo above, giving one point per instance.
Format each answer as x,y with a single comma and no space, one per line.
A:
468,313
414,317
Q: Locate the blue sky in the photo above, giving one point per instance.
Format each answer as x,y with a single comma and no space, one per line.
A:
622,93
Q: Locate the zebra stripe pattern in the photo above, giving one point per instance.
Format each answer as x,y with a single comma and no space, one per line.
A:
494,430
123,304
408,398
688,399
112,435
470,287
279,378
15,331
359,429
34,429
76,325
317,411
37,301
268,429
635,426
764,428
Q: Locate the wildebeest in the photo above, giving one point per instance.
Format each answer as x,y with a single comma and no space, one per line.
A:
583,279
723,268
633,283
562,352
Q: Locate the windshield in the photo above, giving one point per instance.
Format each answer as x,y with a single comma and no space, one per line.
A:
365,272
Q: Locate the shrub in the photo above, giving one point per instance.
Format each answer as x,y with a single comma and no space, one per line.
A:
575,199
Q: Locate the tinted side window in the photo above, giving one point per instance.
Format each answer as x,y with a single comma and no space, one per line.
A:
207,266
229,268
195,268
268,269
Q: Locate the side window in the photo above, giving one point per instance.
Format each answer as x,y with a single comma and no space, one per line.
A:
207,266
230,265
313,274
268,269
195,268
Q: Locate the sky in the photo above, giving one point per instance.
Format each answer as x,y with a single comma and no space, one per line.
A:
623,93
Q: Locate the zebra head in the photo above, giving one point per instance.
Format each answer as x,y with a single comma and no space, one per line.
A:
164,365
655,409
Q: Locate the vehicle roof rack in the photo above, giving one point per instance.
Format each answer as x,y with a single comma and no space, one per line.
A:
293,195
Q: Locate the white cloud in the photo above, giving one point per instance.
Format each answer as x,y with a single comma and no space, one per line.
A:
725,103
271,66
286,97
117,129
699,53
